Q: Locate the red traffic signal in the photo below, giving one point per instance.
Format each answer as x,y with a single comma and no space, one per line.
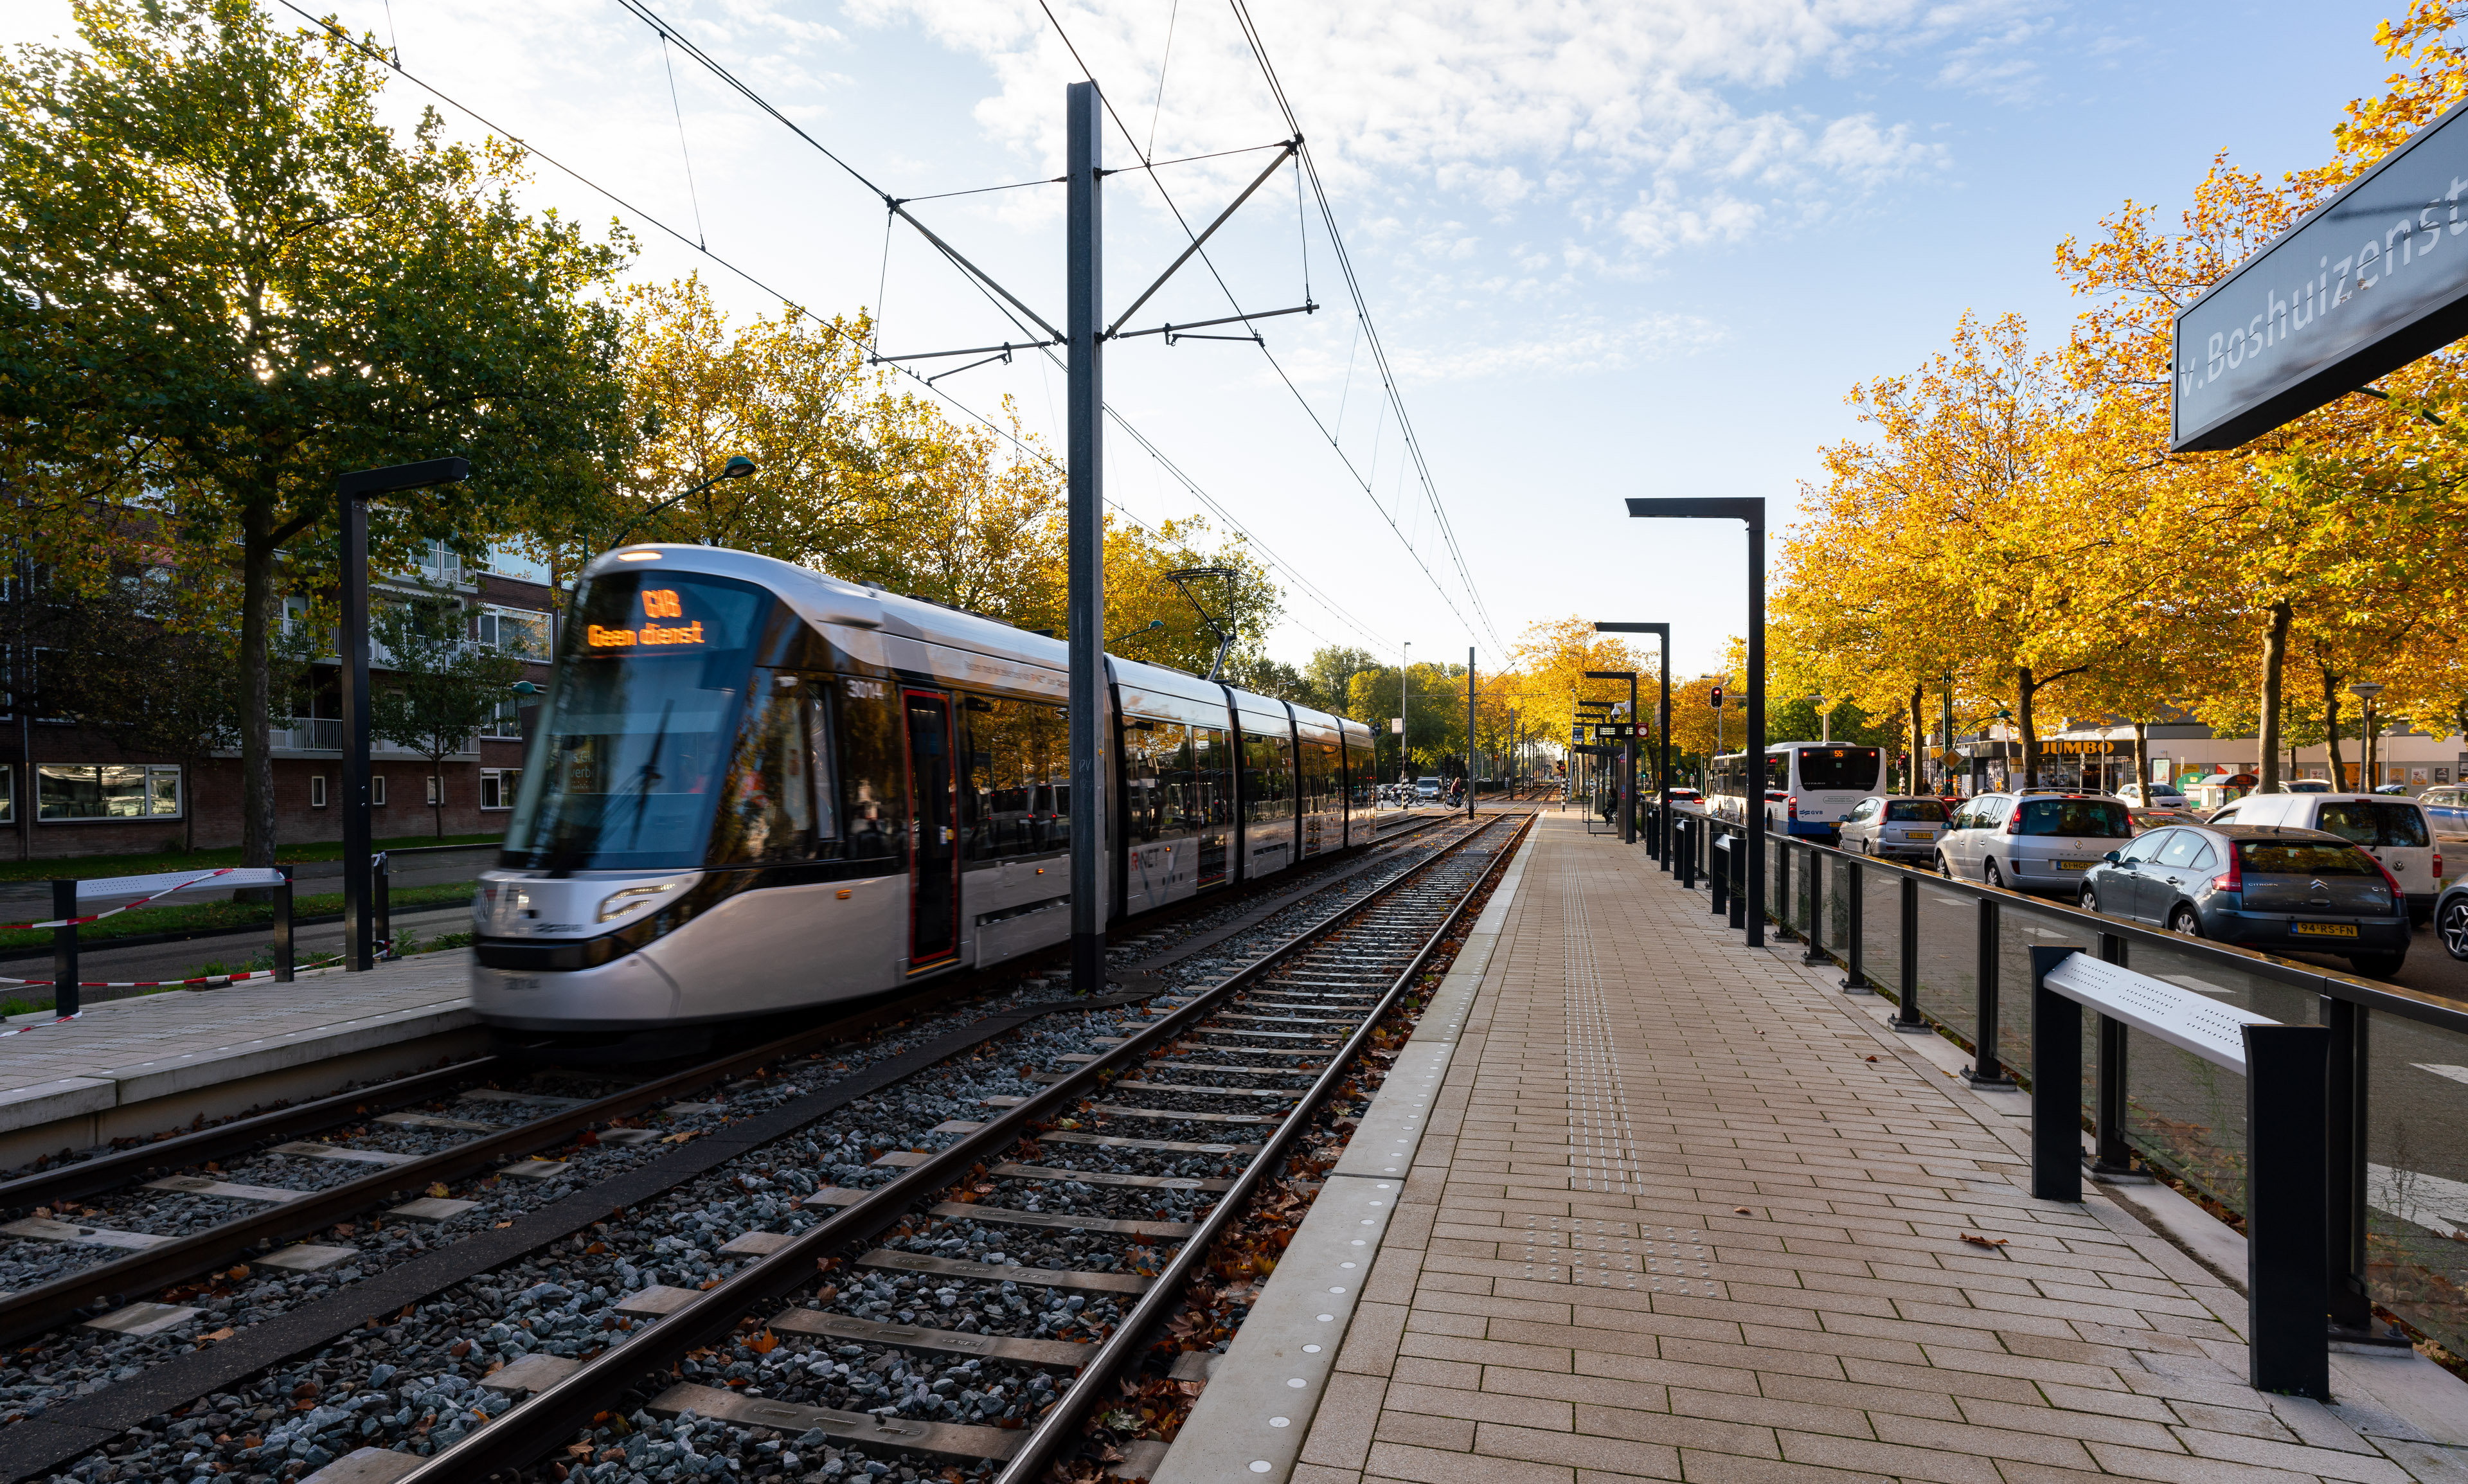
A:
1716,702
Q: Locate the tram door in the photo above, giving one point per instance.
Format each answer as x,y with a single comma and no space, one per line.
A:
933,833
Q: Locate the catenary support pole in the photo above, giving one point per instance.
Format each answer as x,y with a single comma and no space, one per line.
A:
355,557
1085,536
1469,731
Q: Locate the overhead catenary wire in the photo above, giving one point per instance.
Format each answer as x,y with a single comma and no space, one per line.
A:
1009,436
1362,311
1345,266
1005,304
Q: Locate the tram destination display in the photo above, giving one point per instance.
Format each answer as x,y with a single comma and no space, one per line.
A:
2366,282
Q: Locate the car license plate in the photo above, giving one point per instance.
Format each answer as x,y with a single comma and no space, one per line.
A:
2324,929
1916,834
2073,865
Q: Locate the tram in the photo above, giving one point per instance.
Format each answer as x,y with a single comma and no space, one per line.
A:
753,787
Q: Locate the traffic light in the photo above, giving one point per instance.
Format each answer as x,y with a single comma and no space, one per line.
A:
1716,702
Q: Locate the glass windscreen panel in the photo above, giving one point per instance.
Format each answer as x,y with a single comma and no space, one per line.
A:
2416,1176
2104,819
1830,768
2377,822
2297,858
1948,958
637,738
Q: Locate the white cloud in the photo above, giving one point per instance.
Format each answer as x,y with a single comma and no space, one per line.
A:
1665,103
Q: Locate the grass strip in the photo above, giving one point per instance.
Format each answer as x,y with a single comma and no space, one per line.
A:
191,917
85,868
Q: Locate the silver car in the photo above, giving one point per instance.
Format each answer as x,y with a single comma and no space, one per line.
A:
1891,825
2033,841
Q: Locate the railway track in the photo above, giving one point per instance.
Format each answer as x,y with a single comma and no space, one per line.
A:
616,1150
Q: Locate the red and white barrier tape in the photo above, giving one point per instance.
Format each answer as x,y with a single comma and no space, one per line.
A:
81,922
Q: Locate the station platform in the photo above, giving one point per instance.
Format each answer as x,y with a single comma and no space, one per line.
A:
135,1067
1677,1209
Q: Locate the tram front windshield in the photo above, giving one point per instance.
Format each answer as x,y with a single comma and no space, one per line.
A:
632,747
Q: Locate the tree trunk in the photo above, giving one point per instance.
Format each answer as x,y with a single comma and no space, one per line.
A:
2275,662
256,821
2142,760
2023,687
2331,728
1919,739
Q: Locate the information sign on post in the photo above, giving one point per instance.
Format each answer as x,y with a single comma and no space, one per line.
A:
2366,282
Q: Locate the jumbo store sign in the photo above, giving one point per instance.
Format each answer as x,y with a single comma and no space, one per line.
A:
2370,281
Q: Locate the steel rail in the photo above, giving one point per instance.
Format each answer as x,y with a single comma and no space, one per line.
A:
121,1166
550,1416
1057,1427
35,1309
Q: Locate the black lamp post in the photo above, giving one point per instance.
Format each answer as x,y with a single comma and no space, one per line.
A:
353,491
1627,754
1662,729
1752,512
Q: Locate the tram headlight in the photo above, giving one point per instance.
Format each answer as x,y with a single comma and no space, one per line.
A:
618,903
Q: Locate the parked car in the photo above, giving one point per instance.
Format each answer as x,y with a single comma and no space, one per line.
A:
2149,819
2446,810
2153,796
1894,825
2451,920
2260,886
1426,787
2308,786
1686,796
2395,831
2032,842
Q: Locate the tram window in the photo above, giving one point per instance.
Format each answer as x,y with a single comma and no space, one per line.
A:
1267,777
766,813
873,793
1156,779
1016,801
1320,774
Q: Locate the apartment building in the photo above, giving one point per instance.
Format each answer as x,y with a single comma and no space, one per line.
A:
68,792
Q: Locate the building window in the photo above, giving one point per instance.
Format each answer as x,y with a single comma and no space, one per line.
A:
497,786
433,782
107,790
506,723
376,790
316,790
520,631
8,795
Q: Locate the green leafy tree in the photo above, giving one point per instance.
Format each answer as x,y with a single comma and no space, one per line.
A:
149,665
223,281
443,687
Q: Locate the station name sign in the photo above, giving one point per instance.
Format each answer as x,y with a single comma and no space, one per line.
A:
2366,282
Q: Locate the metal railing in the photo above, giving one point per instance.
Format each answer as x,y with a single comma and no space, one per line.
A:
1955,959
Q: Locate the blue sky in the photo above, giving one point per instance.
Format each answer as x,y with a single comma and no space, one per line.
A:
1613,247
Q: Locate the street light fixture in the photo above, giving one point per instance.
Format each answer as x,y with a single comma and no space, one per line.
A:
1662,729
1751,512
352,493
737,466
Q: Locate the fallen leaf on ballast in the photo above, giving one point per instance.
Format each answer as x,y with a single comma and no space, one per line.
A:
1742,1210
1872,1058
1978,1241
439,1190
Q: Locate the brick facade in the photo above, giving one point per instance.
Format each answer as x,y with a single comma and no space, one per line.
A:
213,790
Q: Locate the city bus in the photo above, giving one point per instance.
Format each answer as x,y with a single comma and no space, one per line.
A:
1809,786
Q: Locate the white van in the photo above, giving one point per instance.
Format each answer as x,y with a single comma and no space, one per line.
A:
2393,831
1426,787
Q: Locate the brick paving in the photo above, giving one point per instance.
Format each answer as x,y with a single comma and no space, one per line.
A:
123,1050
1683,1214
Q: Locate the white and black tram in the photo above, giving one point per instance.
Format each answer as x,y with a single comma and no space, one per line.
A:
752,788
